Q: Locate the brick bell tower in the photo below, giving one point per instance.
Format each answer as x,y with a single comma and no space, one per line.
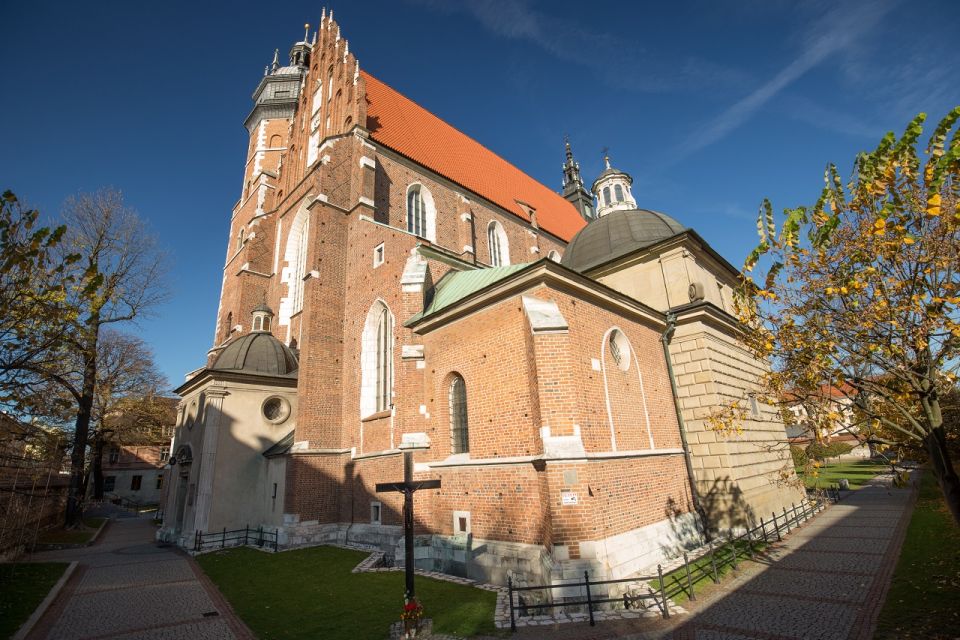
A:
250,262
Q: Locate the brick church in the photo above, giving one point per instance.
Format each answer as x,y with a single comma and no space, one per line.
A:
389,279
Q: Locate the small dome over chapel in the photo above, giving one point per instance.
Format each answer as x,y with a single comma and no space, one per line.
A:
257,353
616,234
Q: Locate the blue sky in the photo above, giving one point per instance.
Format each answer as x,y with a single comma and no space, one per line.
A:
710,105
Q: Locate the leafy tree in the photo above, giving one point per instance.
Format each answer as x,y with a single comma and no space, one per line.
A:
34,311
861,291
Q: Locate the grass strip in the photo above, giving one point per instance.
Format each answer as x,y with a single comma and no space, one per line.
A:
701,570
857,473
924,596
23,586
310,593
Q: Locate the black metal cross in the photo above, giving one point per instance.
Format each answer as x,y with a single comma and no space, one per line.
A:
407,488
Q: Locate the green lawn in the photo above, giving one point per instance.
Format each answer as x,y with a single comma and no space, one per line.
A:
23,586
72,536
924,596
310,593
856,472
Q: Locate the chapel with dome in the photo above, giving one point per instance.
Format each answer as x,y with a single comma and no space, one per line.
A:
388,279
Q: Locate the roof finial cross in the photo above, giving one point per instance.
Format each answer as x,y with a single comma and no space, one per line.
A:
606,156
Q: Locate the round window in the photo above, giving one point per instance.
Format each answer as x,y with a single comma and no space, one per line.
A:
620,349
276,409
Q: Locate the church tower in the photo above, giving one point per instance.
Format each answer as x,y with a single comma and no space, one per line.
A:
249,260
612,188
573,189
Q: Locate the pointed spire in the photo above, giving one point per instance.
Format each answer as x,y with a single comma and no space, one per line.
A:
323,15
276,60
331,19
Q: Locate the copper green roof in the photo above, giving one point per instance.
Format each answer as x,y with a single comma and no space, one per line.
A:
458,285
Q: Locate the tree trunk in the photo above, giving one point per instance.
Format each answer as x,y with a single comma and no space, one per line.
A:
97,464
78,457
946,475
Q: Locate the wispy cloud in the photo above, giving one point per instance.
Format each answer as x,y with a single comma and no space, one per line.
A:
613,60
833,32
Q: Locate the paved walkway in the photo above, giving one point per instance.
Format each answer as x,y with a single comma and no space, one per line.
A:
826,581
126,587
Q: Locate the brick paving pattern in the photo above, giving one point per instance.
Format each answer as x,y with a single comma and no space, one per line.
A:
826,581
127,587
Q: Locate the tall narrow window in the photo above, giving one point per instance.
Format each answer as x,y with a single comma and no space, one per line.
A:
606,195
376,361
459,433
618,192
239,240
416,212
498,244
299,270
384,359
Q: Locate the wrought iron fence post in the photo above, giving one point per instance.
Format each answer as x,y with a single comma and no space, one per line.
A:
776,527
763,527
260,536
686,564
513,622
223,538
786,523
196,540
793,512
276,540
586,581
246,534
713,562
733,550
750,542
663,593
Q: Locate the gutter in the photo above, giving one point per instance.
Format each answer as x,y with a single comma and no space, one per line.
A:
665,341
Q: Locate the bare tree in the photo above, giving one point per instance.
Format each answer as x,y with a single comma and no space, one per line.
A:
118,278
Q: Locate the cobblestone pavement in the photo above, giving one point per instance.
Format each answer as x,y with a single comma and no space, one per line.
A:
126,587
826,581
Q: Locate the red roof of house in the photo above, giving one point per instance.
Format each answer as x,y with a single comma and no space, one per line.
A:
397,122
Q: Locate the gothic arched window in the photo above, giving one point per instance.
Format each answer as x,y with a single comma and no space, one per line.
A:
376,361
498,244
606,195
416,212
299,233
618,192
459,432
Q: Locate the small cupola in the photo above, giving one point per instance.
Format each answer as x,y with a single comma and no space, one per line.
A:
262,318
612,190
300,51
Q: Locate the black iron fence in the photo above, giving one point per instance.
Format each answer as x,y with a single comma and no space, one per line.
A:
235,538
722,553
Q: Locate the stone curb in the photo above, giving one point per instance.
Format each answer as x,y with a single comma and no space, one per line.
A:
32,621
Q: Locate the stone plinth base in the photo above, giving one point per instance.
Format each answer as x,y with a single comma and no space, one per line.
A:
426,630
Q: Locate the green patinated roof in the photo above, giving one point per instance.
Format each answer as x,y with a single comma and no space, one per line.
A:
280,447
457,285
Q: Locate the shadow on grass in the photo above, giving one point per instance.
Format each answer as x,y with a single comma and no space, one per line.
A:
311,593
23,586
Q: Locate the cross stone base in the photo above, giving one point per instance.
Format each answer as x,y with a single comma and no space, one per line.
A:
426,630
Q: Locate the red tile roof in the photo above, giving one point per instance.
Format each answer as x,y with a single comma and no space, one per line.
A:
397,122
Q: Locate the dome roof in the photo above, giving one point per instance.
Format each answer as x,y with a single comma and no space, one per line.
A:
257,353
617,234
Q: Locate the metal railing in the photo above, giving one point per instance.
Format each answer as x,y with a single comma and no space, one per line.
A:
722,554
236,538
659,598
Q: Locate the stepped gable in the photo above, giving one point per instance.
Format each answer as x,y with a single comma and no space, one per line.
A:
397,122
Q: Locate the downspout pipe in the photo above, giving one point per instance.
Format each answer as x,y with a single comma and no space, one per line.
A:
697,506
